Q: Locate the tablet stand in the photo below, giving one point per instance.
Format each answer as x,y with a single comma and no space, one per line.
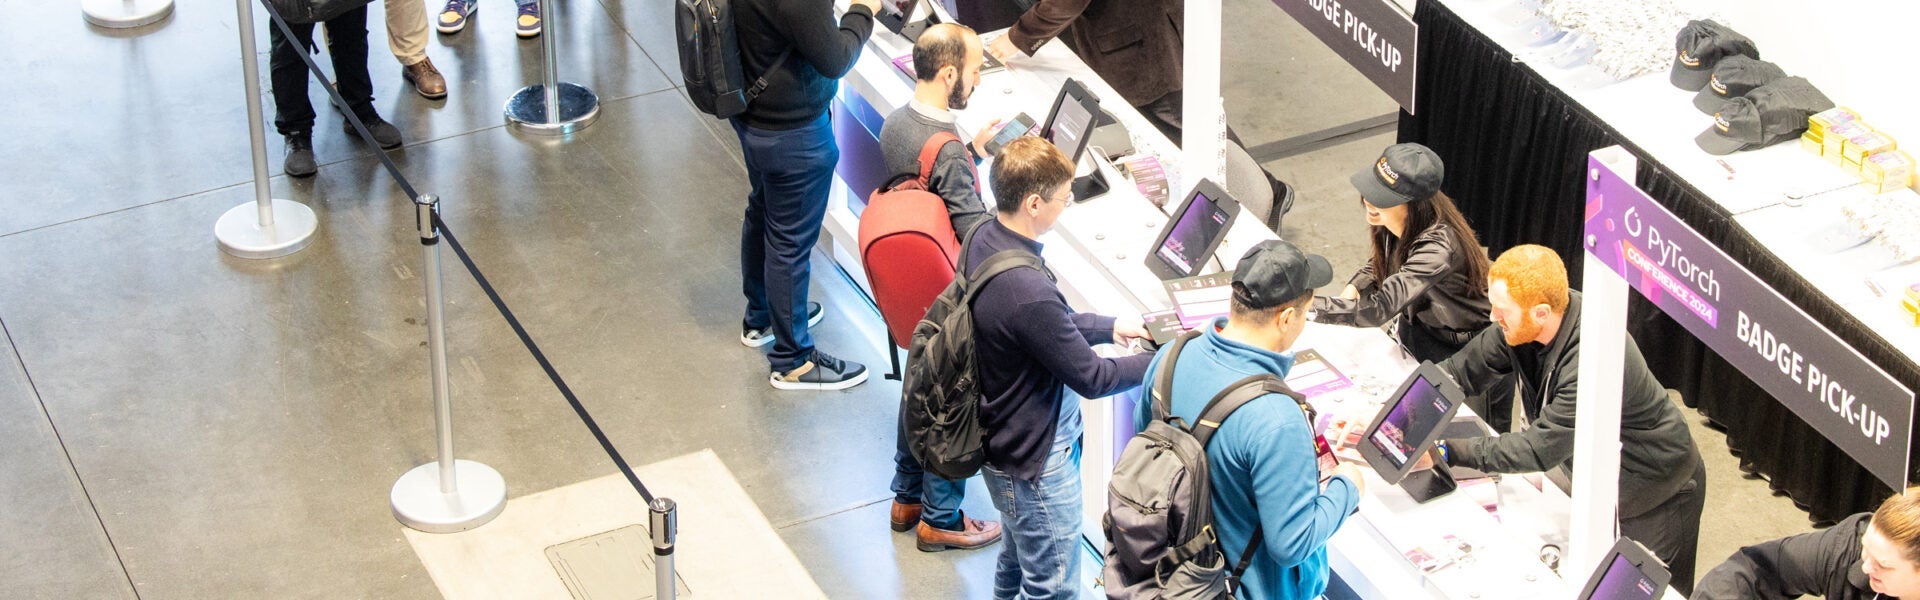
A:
1425,485
1090,187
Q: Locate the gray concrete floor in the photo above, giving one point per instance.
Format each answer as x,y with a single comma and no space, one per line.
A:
183,424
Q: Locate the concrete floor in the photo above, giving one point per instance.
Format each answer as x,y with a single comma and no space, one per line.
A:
183,424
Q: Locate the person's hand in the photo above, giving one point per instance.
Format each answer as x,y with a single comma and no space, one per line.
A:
1002,48
1125,328
1351,293
873,6
986,134
1352,473
1346,431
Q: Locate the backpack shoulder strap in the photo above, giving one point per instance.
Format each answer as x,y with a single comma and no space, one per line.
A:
1231,398
1000,262
1160,397
930,152
760,84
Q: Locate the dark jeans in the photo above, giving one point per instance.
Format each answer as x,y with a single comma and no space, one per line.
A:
1672,529
791,172
938,497
346,43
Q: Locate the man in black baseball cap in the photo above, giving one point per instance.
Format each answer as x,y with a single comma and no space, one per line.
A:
1404,173
1770,114
1735,76
1276,272
1699,48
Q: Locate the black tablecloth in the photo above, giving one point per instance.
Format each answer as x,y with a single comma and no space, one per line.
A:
1516,152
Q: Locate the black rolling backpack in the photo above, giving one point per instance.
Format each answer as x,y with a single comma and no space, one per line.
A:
710,58
1159,521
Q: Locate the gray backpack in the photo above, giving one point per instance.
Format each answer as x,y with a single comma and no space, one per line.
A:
1159,521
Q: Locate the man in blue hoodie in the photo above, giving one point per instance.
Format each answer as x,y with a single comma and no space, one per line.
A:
1264,472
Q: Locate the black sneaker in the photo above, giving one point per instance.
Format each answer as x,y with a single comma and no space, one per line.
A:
756,337
823,373
300,156
384,133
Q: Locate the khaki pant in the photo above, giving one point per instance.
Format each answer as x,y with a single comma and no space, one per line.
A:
407,30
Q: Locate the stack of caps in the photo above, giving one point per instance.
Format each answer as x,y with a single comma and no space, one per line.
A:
1769,114
1753,103
1911,302
1844,139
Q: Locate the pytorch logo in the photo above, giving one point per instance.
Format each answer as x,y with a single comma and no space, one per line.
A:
1386,172
1721,123
1688,59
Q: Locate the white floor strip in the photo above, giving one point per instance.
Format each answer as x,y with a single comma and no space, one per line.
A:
727,549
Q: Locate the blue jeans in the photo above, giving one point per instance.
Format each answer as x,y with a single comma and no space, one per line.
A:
1040,551
938,497
791,172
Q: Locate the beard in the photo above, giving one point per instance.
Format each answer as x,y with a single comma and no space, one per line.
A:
957,97
1522,332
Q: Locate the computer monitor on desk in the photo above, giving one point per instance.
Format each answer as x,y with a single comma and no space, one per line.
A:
1408,425
1069,125
1629,572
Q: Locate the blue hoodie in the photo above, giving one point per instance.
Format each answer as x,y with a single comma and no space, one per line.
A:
1263,457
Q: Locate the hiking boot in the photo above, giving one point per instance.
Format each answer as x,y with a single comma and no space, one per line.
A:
528,23
425,79
384,133
453,18
823,373
904,516
755,337
974,534
299,161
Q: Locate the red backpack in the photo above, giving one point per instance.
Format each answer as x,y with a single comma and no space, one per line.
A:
908,248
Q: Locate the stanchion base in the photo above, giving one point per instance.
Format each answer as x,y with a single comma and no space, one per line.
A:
418,503
241,235
121,14
527,109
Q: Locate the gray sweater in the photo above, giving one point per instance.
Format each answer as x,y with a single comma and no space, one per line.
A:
901,138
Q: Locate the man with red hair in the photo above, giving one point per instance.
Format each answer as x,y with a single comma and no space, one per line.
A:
1536,335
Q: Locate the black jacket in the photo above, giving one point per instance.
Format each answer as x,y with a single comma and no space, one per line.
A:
798,91
1825,563
1134,45
1658,457
1431,288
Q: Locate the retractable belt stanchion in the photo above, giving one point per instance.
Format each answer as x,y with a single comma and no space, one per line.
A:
121,14
552,107
268,227
448,495
663,521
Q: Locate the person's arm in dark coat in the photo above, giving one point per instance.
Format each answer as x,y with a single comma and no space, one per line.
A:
1788,567
831,48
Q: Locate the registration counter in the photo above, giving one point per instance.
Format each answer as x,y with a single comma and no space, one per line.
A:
1097,251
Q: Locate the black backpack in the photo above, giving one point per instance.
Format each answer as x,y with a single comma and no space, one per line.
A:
1159,521
940,393
710,58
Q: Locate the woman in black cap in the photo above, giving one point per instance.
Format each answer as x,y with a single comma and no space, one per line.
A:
1427,274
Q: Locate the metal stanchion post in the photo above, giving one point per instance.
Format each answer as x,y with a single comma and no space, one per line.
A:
268,227
447,495
121,14
552,107
663,522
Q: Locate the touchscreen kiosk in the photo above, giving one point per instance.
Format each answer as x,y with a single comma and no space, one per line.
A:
897,17
1070,126
1629,572
1194,233
1409,423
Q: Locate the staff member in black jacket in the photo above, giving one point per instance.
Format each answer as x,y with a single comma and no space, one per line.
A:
1536,337
786,137
1427,275
1859,558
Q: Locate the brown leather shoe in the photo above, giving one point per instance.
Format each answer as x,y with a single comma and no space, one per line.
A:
426,79
977,533
904,516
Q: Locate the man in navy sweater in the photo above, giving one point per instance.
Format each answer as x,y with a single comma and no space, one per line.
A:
1031,347
786,137
1266,478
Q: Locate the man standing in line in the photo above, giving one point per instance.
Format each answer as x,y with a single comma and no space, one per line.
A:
407,37
786,137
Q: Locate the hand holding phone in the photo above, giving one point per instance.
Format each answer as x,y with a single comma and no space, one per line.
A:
1018,126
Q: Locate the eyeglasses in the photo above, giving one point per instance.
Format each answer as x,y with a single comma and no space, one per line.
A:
1065,195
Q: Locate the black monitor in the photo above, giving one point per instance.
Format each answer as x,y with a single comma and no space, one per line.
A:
1629,572
897,17
1407,426
1194,232
1069,125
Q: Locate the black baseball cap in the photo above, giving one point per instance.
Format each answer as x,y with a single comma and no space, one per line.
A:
1735,76
1767,115
1275,271
1404,173
1698,49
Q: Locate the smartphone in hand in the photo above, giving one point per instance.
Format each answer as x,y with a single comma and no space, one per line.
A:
1018,126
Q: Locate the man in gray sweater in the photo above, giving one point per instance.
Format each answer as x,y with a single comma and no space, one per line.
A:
946,63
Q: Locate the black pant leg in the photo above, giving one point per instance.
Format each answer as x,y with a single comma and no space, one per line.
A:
347,44
1672,529
293,115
